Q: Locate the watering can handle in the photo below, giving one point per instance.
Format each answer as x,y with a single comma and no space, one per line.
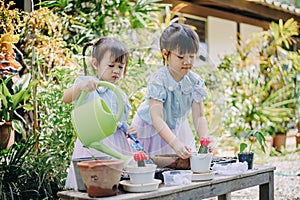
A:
112,87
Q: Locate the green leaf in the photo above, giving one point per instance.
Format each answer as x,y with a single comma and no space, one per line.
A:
243,146
22,83
18,126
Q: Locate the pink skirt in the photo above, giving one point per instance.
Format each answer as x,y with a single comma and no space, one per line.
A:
154,144
117,141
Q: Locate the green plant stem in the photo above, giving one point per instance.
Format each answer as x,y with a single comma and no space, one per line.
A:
250,147
141,163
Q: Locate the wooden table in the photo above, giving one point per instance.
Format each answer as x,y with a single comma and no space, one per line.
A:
220,186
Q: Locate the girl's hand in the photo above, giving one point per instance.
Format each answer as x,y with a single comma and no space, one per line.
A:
211,149
181,150
89,85
132,130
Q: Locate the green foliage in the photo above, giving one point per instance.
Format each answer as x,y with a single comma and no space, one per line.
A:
49,38
10,19
260,78
56,129
18,97
282,32
89,19
52,35
45,47
12,100
251,138
30,168
21,176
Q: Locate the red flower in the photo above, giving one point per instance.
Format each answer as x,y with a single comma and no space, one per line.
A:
140,156
204,141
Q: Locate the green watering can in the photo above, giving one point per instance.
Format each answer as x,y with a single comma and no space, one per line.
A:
94,121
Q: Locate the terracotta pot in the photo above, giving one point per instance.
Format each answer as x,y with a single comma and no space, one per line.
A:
141,175
201,162
269,144
297,140
171,161
80,184
101,177
279,141
248,157
6,135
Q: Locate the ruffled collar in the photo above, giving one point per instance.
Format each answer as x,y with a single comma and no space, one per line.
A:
186,85
100,89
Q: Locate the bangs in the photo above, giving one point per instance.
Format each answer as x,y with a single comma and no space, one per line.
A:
119,55
118,51
184,43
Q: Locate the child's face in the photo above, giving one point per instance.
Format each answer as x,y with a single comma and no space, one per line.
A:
109,70
179,64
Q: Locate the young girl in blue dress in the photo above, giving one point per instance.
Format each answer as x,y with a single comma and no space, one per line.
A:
109,59
162,119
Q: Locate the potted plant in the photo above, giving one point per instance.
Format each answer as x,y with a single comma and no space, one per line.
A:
200,162
15,90
101,177
251,138
140,172
265,96
11,100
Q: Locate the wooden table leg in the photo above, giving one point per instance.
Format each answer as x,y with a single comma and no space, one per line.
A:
225,196
266,191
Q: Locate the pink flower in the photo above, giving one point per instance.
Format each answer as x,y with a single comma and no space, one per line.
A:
140,157
204,141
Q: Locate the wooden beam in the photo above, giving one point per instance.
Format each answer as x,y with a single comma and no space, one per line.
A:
202,11
261,11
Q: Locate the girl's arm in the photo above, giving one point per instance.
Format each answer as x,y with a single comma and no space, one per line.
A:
199,119
156,113
73,92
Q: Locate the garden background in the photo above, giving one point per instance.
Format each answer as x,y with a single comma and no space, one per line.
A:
256,87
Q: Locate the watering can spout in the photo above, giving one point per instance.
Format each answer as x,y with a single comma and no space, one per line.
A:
94,121
100,146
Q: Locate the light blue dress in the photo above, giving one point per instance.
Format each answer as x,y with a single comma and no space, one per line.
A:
177,99
117,141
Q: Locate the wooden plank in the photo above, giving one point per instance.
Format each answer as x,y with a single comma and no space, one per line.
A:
218,189
220,185
266,191
225,197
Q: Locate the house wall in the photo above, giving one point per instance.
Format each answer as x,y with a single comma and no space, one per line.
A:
246,30
221,37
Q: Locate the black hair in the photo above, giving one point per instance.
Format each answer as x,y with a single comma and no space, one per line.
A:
180,37
117,48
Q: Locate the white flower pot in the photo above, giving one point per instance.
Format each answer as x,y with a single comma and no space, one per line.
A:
291,8
277,3
284,6
200,162
141,175
269,1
